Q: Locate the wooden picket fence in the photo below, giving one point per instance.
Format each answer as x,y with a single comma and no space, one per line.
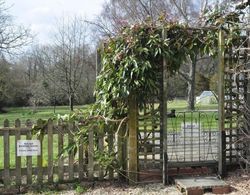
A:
49,167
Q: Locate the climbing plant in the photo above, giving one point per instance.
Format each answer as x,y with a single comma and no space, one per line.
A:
132,63
133,60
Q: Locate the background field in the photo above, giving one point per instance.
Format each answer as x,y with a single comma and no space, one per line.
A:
25,113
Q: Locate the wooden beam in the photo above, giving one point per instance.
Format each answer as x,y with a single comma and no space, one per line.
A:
164,119
132,140
221,109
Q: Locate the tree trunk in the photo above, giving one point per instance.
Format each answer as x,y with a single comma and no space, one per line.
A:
191,85
71,102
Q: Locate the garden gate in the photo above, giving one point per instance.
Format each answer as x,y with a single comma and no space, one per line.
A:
195,138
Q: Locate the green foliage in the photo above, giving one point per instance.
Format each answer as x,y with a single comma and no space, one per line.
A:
132,63
133,60
80,189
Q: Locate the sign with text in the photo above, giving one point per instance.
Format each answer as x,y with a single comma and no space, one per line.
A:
189,125
28,148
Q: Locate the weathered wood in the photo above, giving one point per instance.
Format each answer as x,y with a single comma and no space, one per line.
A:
60,150
110,148
50,151
40,158
101,149
125,151
91,155
121,144
18,158
83,168
81,160
164,118
132,140
144,141
29,158
71,153
6,142
221,117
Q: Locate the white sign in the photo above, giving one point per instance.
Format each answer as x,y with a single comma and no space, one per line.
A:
28,148
189,125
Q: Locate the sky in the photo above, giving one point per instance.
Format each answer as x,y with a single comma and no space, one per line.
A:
41,15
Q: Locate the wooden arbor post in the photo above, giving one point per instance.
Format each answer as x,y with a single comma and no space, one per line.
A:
221,109
164,119
132,139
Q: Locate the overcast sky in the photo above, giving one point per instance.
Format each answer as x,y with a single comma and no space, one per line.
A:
40,15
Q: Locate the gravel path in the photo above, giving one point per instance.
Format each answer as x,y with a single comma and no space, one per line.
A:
237,180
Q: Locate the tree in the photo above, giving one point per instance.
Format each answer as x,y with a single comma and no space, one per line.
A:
119,13
12,36
70,57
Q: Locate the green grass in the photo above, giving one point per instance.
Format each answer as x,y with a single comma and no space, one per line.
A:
207,115
182,105
34,159
24,113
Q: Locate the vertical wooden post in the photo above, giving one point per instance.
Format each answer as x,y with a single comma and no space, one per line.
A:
18,158
101,149
40,158
81,160
71,128
132,140
164,119
50,151
121,153
221,109
91,155
61,131
6,155
29,158
110,149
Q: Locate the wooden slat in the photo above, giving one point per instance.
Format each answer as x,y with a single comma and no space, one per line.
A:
81,160
121,143
50,151
18,158
6,155
101,149
71,153
40,158
60,150
153,134
110,148
145,135
91,155
29,158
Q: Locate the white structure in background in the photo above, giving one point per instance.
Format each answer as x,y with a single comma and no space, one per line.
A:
206,97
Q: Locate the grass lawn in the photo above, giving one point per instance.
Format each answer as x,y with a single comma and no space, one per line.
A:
24,113
181,105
